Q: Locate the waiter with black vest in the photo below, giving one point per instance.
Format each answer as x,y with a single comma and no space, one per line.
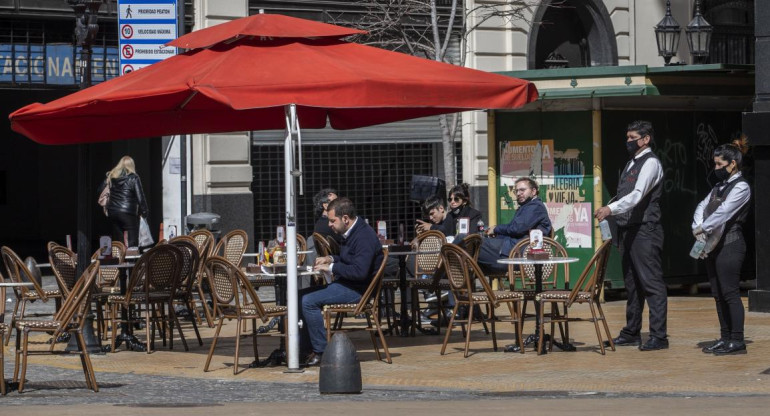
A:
636,211
718,221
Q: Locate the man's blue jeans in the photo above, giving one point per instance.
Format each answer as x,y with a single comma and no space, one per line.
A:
313,299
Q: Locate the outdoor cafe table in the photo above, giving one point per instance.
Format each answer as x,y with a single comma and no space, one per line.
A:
126,334
3,286
538,266
278,356
402,283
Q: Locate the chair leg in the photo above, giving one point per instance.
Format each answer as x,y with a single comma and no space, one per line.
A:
25,343
540,328
471,310
254,339
213,344
113,323
596,325
519,326
382,341
194,321
237,345
606,327
17,356
206,310
173,318
449,327
491,318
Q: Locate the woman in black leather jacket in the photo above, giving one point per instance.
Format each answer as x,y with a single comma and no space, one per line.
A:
127,200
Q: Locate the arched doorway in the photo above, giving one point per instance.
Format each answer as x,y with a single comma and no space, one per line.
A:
572,33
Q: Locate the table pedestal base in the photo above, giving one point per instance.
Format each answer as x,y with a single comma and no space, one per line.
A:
132,343
276,358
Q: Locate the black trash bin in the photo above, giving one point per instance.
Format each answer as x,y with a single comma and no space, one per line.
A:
204,220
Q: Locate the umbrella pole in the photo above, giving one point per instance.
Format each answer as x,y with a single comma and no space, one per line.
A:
292,317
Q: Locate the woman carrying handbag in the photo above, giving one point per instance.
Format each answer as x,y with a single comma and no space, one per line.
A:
126,200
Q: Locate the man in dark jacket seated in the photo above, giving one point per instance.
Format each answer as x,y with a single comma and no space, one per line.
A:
353,269
531,215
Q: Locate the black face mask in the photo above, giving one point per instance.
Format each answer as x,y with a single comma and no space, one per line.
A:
722,174
632,147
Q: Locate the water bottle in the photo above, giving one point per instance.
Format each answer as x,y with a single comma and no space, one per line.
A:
604,229
480,226
697,249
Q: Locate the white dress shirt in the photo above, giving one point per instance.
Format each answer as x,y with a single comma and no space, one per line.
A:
649,176
734,201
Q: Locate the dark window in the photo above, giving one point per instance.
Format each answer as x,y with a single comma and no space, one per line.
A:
376,177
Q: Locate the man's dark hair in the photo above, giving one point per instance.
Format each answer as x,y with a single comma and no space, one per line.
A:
530,182
432,203
644,128
342,207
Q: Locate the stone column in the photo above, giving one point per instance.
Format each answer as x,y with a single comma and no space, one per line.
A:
221,163
756,125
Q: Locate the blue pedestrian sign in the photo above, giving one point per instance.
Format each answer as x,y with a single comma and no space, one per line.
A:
145,26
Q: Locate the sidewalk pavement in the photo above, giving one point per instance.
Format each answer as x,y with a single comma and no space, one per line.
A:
419,373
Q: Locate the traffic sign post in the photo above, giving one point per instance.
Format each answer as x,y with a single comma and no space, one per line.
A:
145,26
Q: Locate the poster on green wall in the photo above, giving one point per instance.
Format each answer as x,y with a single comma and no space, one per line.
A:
560,175
554,149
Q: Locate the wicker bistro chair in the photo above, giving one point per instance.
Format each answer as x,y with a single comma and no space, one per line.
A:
153,282
70,318
18,272
369,306
550,275
425,265
236,299
587,290
205,242
462,270
190,269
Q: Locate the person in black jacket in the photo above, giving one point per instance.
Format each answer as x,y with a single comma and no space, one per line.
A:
321,201
435,209
532,214
127,200
459,207
353,270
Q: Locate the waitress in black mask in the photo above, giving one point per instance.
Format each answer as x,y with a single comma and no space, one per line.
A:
718,221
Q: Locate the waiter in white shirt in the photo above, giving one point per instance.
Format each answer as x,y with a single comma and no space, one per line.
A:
636,211
718,221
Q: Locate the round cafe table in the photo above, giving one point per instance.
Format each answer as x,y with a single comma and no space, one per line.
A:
405,324
538,265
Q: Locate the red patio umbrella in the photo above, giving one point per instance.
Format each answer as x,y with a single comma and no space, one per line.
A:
268,72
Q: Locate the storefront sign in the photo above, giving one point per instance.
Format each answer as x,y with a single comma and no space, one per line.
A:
53,64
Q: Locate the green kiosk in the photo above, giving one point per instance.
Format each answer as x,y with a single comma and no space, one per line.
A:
572,139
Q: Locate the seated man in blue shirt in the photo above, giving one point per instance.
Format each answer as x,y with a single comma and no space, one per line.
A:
531,214
353,269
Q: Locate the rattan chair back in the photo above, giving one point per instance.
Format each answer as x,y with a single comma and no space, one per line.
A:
19,273
232,246
472,245
164,267
190,261
231,287
427,263
322,248
526,272
63,264
334,246
592,278
462,272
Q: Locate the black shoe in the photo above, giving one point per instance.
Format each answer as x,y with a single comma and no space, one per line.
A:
314,359
731,348
624,341
653,344
715,346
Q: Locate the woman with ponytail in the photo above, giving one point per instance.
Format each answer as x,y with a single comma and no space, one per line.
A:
718,221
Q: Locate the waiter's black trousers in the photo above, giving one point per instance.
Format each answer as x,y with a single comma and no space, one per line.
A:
641,248
723,266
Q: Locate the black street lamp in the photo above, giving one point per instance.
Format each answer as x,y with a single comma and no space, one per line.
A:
86,28
667,34
699,36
